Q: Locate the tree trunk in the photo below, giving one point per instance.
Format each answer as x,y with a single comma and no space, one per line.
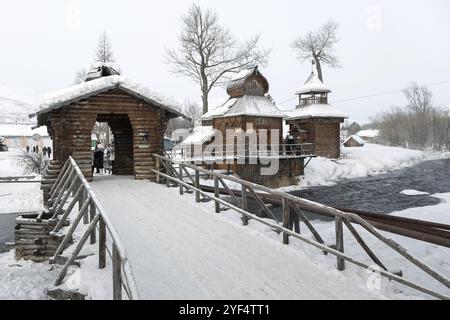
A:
319,68
205,100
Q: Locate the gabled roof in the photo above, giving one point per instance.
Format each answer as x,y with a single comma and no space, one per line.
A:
313,85
199,136
315,111
91,88
245,106
357,138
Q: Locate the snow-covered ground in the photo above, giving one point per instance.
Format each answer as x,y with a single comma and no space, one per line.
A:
359,162
15,197
24,280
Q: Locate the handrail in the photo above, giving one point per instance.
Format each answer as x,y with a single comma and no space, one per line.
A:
290,201
122,271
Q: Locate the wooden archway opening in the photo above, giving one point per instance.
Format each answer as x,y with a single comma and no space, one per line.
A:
122,131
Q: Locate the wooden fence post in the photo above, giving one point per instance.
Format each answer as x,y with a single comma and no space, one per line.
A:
286,213
180,173
92,211
117,274
158,166
197,186
101,243
86,214
216,193
244,204
340,242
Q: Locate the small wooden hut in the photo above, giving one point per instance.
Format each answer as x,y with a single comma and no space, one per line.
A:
354,141
136,115
314,120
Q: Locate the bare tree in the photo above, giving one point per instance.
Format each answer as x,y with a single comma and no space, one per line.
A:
319,46
193,111
33,161
209,53
104,52
80,76
417,125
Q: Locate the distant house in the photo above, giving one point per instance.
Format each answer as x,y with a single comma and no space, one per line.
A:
22,135
354,141
370,135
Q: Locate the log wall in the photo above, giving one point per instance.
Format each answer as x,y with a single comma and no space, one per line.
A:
323,132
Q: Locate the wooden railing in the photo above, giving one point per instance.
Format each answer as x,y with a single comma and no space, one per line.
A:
244,151
313,100
71,181
186,176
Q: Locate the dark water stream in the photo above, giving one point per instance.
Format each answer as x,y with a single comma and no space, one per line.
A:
382,193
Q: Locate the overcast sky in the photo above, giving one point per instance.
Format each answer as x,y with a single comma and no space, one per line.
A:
385,45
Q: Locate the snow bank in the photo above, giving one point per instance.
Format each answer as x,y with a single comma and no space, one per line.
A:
17,197
413,193
360,162
24,280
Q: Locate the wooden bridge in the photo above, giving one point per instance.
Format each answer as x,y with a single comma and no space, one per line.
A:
178,250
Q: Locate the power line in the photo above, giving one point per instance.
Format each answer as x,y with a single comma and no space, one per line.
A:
376,94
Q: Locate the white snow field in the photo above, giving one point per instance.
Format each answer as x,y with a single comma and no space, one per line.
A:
17,197
182,250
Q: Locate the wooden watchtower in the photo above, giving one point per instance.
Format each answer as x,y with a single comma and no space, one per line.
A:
314,120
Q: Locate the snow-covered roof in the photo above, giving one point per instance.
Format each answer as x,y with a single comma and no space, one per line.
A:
199,136
219,111
246,105
315,111
357,138
21,130
102,69
370,133
313,84
254,106
85,90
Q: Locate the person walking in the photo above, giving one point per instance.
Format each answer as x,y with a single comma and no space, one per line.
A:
49,152
98,158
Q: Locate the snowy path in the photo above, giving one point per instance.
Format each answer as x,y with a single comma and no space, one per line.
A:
182,250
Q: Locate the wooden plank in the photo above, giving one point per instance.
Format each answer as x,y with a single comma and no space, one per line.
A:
216,194
363,244
307,222
77,250
244,200
340,242
92,213
197,185
286,209
101,244
262,204
180,176
73,226
117,274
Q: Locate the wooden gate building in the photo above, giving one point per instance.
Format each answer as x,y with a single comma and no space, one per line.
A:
136,115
